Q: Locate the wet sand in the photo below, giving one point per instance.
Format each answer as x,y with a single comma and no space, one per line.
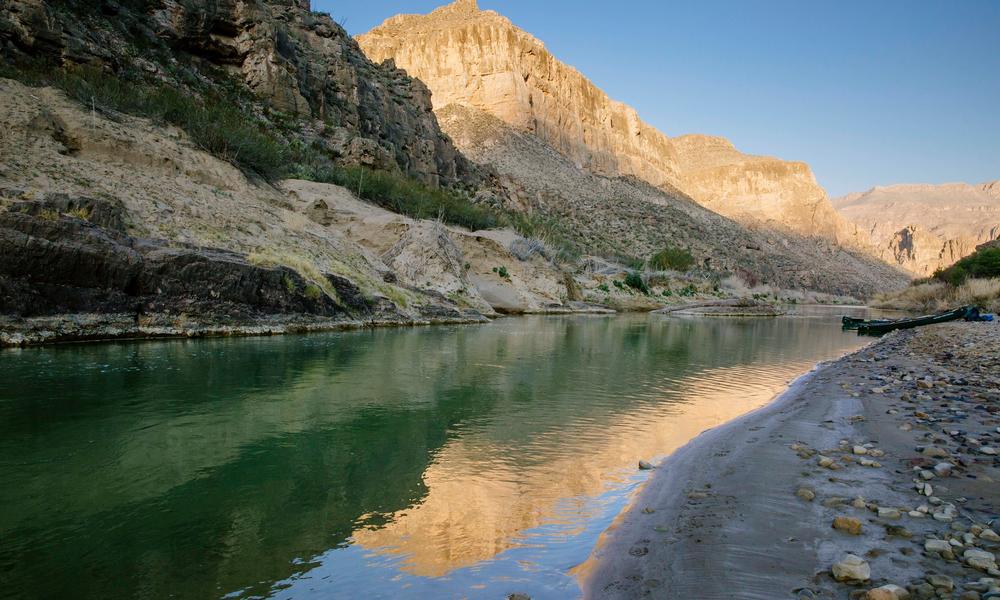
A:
746,509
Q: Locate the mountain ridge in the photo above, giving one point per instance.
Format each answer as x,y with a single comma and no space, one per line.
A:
481,59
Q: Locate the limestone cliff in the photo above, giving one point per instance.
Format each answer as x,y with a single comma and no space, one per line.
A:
923,228
296,62
478,58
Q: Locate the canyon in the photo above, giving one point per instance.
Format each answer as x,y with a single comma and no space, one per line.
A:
923,227
480,59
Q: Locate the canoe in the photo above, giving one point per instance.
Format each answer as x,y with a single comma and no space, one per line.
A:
875,328
854,322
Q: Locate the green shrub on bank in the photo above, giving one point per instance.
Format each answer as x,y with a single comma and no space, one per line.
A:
982,264
634,281
671,258
404,195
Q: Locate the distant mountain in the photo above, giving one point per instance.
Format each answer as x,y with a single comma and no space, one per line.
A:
479,59
923,227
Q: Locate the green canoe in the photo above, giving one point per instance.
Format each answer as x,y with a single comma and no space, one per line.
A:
880,328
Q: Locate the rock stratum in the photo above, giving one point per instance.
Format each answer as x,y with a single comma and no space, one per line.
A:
478,58
923,228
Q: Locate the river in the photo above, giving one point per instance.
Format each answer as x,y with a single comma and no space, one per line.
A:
445,462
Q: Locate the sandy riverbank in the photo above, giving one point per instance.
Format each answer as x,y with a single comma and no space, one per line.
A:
896,439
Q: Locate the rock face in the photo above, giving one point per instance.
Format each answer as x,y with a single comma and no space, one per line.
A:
52,262
923,228
625,216
296,61
479,59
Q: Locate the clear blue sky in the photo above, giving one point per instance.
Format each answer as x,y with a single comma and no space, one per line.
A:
868,92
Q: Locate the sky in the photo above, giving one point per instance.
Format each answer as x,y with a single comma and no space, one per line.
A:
868,92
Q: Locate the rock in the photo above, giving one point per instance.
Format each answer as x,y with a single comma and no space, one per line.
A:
645,466
989,535
806,494
942,469
934,545
860,450
980,559
941,582
518,597
888,592
926,475
945,513
935,452
848,525
824,461
988,450
851,568
888,513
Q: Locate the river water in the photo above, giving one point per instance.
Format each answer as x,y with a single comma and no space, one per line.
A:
443,462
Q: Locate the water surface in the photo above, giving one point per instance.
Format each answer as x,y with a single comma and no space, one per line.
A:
447,462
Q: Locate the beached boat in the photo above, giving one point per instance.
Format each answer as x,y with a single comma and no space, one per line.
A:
877,327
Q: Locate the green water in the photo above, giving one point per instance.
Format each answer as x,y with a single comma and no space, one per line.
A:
467,461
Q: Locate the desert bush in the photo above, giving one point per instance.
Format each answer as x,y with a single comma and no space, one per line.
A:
938,295
982,264
634,281
671,258
401,194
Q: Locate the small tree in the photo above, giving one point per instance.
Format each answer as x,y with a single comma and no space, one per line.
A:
671,258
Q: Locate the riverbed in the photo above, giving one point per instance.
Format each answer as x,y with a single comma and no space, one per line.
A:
453,461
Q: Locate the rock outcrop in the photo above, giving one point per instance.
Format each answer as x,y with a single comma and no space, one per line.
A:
297,62
478,58
923,228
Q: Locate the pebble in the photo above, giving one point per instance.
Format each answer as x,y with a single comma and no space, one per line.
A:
851,568
806,494
935,452
980,559
887,592
888,513
942,469
941,582
989,535
645,466
934,545
848,525
988,450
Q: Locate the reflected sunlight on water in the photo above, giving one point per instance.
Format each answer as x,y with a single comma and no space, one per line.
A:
448,461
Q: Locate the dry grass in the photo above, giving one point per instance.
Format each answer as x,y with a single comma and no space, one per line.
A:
935,296
307,269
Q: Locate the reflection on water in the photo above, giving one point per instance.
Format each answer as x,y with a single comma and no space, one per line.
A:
454,461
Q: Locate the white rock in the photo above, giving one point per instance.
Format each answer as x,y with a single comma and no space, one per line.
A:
946,513
937,545
942,469
989,450
860,450
851,568
926,475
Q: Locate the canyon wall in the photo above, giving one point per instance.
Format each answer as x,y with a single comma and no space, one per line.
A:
923,228
478,58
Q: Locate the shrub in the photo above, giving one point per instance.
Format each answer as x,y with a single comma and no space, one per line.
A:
670,258
634,281
502,272
984,263
404,195
604,288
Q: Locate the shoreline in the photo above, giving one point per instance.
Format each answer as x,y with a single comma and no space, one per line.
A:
745,509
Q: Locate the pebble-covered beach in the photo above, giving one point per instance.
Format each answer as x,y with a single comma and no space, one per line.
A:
875,477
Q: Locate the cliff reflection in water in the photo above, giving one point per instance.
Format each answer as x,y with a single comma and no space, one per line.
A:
206,467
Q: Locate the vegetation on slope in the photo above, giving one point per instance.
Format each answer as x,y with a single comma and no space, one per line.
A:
973,280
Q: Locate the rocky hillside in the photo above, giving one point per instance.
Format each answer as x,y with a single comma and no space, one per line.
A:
625,216
300,65
923,228
480,59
